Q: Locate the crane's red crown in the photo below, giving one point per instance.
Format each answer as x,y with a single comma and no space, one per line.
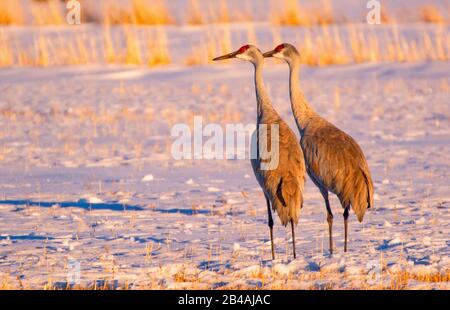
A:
279,48
243,49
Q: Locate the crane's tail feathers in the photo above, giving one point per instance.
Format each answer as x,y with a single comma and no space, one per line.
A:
369,185
288,200
363,198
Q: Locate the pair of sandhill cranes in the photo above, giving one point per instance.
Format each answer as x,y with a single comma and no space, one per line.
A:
333,160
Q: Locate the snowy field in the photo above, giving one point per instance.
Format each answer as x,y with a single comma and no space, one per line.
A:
87,178
92,197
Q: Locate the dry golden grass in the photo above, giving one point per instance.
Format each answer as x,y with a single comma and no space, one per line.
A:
294,14
48,13
327,47
147,47
199,12
399,280
158,48
109,53
431,14
133,54
6,52
216,40
205,12
42,51
40,13
394,47
318,46
11,13
222,15
194,14
386,16
140,12
153,13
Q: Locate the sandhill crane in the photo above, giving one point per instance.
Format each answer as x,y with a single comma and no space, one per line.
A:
334,161
282,184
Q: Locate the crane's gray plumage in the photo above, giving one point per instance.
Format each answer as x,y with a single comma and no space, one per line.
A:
283,185
334,160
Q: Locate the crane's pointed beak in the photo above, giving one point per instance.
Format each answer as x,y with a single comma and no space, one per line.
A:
269,54
227,56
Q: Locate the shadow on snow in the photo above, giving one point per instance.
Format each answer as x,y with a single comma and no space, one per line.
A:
82,203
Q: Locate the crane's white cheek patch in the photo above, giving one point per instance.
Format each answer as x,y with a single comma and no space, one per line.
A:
243,57
278,55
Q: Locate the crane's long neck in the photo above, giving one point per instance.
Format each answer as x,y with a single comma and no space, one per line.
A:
300,108
264,106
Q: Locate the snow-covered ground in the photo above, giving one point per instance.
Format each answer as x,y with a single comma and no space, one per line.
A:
90,191
88,180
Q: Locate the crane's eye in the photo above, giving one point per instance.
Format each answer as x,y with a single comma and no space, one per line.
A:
243,49
279,48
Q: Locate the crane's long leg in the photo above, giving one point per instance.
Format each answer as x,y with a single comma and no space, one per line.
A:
329,218
293,237
346,212
270,222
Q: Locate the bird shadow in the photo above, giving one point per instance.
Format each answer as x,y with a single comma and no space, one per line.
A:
81,203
